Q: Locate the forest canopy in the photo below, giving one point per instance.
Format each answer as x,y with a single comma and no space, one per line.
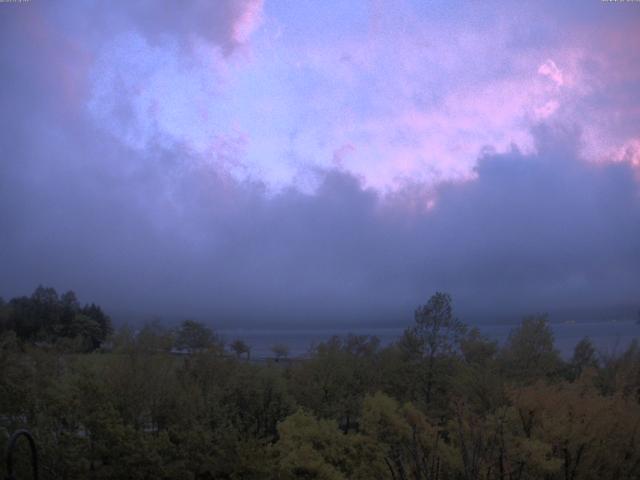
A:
47,317
443,402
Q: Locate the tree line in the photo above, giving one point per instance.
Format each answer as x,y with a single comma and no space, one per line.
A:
443,402
46,318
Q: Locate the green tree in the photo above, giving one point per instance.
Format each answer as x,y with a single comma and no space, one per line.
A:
410,446
500,444
239,347
96,313
4,316
590,436
154,337
529,352
280,351
435,334
333,383
477,349
584,356
87,329
124,339
316,449
194,337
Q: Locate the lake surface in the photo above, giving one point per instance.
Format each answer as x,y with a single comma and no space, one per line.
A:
608,337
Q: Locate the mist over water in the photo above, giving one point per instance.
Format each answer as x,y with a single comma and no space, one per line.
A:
609,338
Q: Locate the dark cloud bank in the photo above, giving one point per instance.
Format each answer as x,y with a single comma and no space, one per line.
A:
155,235
166,233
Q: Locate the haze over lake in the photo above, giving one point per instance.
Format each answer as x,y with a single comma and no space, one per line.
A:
609,338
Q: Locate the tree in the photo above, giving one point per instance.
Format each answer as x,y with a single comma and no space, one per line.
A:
88,330
500,444
590,436
584,356
435,333
45,295
529,352
240,348
333,383
35,317
316,449
124,339
154,337
621,373
95,312
478,379
280,350
411,447
476,349
46,317
4,316
194,337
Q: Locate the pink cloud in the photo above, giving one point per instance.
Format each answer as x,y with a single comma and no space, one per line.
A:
401,100
247,21
551,70
468,108
444,140
225,24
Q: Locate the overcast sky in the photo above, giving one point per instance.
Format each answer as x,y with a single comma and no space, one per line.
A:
308,162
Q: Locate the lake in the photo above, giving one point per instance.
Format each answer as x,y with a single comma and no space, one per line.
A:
608,337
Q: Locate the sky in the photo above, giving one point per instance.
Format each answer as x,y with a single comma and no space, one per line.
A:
249,162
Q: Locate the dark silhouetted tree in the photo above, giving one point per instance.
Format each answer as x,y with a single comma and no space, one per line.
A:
280,351
154,337
584,356
194,337
435,333
240,348
529,352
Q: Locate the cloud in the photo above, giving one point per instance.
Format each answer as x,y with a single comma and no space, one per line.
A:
227,24
411,91
138,164
551,70
167,232
248,20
